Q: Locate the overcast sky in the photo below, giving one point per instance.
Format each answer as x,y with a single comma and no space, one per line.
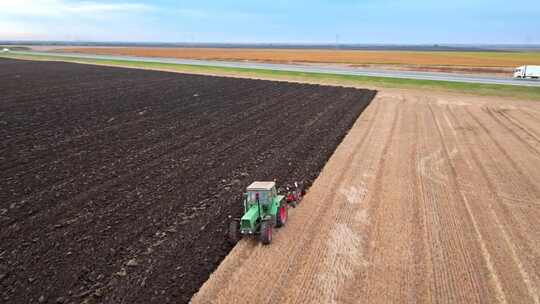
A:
255,21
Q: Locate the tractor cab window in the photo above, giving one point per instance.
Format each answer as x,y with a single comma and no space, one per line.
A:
263,196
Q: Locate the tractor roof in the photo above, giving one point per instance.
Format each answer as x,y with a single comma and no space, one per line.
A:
261,186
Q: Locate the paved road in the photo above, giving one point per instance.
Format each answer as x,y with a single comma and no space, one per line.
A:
310,69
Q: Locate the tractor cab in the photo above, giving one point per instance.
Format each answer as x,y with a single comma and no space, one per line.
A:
260,192
259,200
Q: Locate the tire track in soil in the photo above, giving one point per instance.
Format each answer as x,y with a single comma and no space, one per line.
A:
451,153
391,274
460,163
527,138
506,261
527,119
519,233
357,209
377,211
511,196
453,278
519,167
528,127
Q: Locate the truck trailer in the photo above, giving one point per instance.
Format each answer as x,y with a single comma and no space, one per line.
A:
527,71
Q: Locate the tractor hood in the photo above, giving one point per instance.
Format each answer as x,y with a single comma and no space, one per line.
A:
248,221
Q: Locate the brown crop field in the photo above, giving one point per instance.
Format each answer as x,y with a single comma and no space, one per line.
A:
430,198
116,184
350,57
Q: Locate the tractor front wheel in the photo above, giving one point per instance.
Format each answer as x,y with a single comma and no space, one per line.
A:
266,232
234,232
282,215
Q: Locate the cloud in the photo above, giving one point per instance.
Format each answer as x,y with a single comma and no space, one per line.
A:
61,8
72,20
19,31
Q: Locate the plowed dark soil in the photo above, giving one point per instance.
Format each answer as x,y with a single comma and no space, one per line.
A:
116,184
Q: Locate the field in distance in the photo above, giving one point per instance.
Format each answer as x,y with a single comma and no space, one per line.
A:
462,62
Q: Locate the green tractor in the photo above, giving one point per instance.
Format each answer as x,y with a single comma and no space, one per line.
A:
264,209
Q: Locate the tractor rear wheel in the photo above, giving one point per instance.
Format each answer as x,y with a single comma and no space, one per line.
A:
282,215
234,232
266,232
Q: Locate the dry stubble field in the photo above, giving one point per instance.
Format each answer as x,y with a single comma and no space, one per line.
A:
430,198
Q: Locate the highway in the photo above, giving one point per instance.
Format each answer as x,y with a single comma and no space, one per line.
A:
308,69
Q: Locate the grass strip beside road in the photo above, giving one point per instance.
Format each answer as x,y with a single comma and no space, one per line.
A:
523,92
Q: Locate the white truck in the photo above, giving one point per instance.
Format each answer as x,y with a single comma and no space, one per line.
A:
527,71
